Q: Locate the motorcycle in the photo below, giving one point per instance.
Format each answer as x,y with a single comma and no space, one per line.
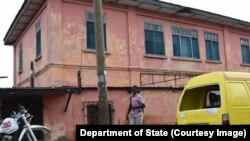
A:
15,128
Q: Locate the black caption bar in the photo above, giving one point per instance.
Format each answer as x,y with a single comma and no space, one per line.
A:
170,132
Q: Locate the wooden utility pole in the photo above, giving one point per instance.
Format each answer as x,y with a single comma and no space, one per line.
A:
100,64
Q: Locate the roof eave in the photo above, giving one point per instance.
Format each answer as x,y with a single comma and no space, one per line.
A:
24,16
186,12
15,31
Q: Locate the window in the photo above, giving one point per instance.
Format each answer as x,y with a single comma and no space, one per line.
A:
91,31
92,112
154,39
185,42
20,58
212,46
213,99
201,98
245,51
38,38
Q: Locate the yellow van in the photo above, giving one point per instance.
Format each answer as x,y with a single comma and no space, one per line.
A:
215,98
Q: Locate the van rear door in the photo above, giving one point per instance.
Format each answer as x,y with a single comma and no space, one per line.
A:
238,102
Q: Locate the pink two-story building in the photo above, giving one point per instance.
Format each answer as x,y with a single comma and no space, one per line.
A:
155,45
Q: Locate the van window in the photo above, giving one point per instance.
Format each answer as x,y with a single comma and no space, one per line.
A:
201,98
213,99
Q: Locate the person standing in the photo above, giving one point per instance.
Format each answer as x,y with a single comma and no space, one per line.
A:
135,111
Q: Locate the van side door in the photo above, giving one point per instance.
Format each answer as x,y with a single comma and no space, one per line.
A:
238,102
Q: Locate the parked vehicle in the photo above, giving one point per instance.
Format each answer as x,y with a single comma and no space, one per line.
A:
215,98
17,127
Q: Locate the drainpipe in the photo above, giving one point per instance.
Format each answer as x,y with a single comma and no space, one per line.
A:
32,74
79,79
227,48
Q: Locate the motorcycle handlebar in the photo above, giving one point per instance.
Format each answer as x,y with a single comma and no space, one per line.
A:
20,107
21,110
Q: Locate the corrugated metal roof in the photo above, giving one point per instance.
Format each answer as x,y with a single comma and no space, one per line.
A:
38,90
31,7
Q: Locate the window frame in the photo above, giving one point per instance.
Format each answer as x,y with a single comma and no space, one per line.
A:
212,37
94,104
245,43
191,34
160,28
38,40
20,59
200,94
92,20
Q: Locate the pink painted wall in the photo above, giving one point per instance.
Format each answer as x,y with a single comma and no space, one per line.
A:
64,52
28,40
170,63
236,57
125,43
64,45
160,109
74,43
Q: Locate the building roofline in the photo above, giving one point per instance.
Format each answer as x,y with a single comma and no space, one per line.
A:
30,8
187,12
24,16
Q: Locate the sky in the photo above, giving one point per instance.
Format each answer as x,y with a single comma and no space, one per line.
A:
8,11
238,9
